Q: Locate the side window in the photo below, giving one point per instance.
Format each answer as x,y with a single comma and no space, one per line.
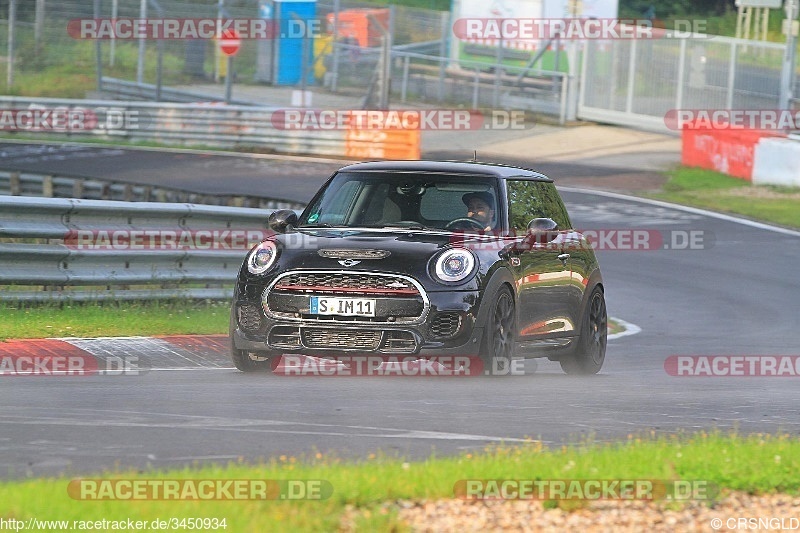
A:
522,204
534,199
552,205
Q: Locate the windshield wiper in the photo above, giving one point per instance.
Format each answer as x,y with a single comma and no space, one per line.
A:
405,226
321,225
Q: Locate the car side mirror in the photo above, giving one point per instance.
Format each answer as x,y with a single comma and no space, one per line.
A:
280,220
542,230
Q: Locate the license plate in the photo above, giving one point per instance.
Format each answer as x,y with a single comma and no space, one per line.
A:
342,306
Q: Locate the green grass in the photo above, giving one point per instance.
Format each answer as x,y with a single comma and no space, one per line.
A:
718,192
113,319
368,489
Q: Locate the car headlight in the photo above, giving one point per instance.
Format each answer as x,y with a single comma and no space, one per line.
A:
454,265
262,257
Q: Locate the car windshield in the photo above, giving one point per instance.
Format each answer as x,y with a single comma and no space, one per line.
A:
412,200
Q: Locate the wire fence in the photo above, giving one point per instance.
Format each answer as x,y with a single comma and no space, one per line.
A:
423,67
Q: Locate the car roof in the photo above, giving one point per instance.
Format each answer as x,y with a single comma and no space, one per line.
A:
451,167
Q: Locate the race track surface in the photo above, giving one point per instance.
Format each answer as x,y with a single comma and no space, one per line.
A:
734,295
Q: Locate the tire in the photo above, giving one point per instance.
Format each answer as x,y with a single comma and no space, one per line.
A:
590,352
501,325
245,362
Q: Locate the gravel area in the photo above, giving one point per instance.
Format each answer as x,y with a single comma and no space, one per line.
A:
606,516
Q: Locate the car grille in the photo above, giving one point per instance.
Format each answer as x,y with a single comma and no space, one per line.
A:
249,318
341,338
387,341
399,301
399,342
445,325
336,282
285,337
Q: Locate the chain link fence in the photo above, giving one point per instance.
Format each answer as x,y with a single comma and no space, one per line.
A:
637,82
423,70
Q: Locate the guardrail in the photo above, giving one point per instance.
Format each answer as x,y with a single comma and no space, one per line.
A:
89,249
131,90
223,126
14,183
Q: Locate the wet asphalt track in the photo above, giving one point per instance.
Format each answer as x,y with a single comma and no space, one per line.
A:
737,297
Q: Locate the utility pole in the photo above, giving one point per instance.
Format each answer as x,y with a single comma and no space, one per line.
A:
787,74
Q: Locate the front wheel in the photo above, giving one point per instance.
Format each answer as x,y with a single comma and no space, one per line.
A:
498,346
253,361
590,352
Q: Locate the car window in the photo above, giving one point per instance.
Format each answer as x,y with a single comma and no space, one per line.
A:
528,200
373,199
552,205
439,204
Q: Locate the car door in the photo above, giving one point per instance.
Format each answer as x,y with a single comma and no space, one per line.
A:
544,296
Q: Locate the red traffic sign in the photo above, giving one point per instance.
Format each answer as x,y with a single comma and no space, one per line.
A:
229,42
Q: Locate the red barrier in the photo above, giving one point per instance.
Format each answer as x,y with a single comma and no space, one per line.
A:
729,151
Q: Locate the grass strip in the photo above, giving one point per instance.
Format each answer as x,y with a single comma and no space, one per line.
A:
758,464
718,192
123,319
113,319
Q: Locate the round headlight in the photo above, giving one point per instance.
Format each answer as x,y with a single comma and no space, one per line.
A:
262,257
455,265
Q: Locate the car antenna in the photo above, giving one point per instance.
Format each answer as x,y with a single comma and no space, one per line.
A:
475,156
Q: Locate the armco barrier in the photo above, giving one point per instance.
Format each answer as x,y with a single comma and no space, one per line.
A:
729,151
34,252
15,183
777,162
214,125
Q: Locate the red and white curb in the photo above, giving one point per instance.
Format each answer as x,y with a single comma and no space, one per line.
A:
133,355
122,355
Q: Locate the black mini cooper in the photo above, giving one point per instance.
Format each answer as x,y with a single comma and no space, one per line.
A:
426,259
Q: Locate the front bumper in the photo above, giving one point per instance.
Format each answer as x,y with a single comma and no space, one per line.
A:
449,327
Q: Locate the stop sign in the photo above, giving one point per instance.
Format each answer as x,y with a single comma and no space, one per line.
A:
229,42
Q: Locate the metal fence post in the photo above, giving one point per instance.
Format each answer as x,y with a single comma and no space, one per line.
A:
475,89
12,22
731,77
681,69
404,82
445,25
335,66
631,77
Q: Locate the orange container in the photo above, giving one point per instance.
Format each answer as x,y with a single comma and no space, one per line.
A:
356,26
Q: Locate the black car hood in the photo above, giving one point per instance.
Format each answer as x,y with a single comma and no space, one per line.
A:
400,247
403,252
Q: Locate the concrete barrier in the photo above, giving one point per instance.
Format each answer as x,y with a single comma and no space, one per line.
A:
729,151
777,162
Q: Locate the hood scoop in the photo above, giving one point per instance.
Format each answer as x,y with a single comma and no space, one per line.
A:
360,254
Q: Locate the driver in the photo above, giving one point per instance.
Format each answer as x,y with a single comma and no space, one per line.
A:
479,208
